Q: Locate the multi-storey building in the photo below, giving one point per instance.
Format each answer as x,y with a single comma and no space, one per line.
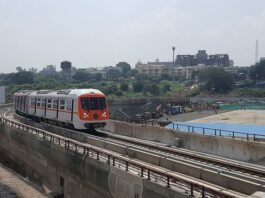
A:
159,69
203,58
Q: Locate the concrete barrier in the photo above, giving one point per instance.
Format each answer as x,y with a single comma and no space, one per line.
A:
243,150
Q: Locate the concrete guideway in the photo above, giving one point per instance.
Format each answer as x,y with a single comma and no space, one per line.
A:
145,169
228,173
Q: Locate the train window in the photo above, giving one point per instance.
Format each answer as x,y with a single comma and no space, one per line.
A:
20,102
43,102
32,101
17,102
102,103
85,103
54,104
49,103
69,105
94,103
62,104
38,102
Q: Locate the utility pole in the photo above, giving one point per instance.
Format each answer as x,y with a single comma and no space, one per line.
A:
173,49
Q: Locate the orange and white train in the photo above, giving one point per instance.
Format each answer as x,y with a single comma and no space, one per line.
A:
72,108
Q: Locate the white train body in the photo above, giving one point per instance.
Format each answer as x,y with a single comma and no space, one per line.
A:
79,108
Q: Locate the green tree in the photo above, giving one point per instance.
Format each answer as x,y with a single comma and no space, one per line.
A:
22,77
216,79
257,72
166,88
152,88
138,87
81,76
124,86
125,67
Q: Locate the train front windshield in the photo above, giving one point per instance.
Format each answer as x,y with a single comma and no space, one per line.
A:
93,103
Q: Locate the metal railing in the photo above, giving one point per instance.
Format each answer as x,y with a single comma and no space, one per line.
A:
145,170
202,130
218,132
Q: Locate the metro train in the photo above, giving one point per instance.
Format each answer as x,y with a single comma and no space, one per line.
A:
72,108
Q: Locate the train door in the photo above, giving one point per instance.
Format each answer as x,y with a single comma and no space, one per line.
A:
69,110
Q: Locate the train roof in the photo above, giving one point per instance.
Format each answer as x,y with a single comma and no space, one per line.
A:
65,92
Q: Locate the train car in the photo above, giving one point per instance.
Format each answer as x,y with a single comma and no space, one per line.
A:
73,108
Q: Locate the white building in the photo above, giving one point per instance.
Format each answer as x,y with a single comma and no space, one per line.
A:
2,95
159,69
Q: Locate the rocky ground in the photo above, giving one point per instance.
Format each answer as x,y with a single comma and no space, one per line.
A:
7,192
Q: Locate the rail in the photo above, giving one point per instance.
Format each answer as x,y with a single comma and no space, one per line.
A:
202,130
145,170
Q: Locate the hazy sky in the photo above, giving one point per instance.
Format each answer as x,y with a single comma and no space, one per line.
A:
93,33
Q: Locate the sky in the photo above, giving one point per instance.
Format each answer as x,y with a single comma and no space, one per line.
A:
96,33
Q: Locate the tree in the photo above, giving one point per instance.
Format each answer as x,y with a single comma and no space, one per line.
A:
152,88
166,88
165,77
124,87
81,76
125,67
22,77
33,70
216,79
138,86
112,73
98,77
19,69
257,72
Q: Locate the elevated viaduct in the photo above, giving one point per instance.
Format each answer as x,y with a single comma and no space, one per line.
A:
70,168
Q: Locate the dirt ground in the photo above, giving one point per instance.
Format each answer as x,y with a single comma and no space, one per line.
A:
14,186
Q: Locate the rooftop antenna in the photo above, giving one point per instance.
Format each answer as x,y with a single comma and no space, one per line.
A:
257,52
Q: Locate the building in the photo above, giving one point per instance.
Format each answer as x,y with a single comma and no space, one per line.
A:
159,69
186,60
152,69
66,67
2,95
95,71
203,58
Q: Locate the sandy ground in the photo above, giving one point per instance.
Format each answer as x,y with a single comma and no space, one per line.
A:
238,117
20,188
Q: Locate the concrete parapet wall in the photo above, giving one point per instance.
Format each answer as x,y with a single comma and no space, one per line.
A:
243,150
82,176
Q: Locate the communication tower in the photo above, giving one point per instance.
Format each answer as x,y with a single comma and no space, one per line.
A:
257,52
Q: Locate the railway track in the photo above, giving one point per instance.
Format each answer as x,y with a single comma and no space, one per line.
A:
230,170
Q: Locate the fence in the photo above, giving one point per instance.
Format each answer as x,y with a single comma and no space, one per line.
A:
197,129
